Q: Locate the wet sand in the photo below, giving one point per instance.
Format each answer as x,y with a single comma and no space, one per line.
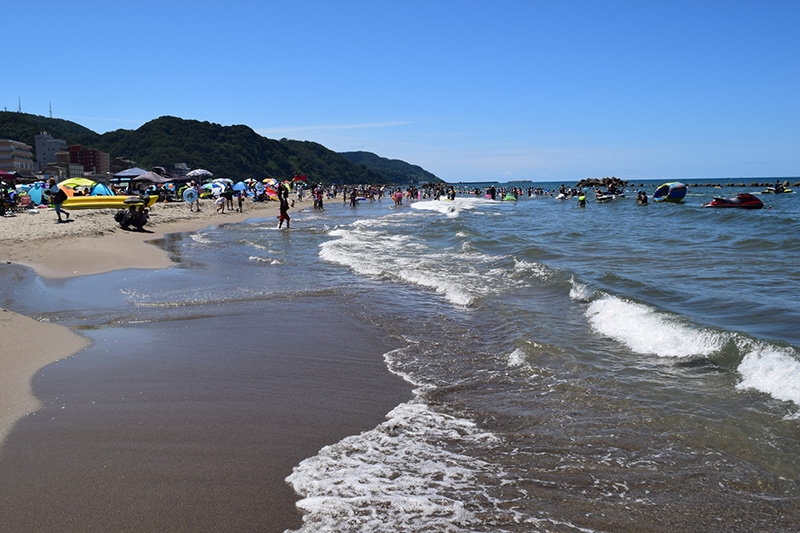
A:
153,429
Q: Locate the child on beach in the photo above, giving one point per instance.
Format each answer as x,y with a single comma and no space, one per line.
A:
240,209
220,203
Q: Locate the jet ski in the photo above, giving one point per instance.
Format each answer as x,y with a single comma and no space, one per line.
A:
777,190
741,200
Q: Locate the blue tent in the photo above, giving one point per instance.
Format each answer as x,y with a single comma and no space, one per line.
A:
102,190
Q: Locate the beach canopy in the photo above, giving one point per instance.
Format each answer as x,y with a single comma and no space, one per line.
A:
130,173
77,182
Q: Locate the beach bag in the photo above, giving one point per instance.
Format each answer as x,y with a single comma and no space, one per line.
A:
59,197
119,216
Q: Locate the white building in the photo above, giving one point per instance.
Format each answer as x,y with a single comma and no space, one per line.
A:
46,149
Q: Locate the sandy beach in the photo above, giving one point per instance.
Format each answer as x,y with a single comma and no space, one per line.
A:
210,450
91,243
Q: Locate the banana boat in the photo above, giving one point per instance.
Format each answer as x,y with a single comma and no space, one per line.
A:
107,202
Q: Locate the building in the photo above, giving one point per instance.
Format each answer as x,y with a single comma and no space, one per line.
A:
16,157
119,164
180,170
63,169
93,160
46,149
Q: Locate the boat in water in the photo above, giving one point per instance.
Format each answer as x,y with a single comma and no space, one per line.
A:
777,190
741,200
673,191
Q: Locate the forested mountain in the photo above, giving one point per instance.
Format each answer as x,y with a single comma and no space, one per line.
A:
397,171
232,151
22,127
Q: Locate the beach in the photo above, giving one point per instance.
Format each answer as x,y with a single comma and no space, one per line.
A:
91,243
165,434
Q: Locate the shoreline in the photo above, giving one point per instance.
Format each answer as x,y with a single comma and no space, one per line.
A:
198,438
92,244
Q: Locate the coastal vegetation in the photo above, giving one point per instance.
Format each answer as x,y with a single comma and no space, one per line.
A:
233,151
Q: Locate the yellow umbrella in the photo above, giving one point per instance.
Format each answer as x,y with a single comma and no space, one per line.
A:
77,182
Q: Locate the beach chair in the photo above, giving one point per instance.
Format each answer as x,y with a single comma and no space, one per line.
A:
22,204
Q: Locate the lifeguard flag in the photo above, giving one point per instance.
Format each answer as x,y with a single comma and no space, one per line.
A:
300,178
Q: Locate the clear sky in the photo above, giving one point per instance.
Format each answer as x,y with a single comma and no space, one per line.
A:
469,90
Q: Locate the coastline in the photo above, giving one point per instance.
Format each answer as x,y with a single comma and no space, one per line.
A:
92,244
198,438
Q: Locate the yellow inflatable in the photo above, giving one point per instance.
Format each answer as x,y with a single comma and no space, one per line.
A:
107,202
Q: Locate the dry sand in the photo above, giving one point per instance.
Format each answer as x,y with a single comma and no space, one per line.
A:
91,243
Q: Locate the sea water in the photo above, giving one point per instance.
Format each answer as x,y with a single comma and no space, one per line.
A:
611,367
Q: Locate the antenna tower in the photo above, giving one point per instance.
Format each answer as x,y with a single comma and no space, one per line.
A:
51,109
19,109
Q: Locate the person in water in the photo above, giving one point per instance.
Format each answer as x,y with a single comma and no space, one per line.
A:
283,198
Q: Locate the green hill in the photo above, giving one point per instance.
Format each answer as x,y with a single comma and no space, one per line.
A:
397,171
232,151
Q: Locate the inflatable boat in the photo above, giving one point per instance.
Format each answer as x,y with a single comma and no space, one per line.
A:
107,202
673,191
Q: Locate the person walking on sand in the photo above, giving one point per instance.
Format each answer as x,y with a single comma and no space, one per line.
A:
194,185
283,198
57,196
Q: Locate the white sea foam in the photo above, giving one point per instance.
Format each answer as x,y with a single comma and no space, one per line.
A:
367,250
394,477
647,331
539,270
517,358
201,238
580,291
268,260
449,208
772,370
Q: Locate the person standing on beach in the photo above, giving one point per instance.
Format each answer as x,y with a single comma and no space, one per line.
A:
57,196
193,185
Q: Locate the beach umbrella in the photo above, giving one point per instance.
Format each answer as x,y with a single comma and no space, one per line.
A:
225,181
77,182
239,186
7,177
199,173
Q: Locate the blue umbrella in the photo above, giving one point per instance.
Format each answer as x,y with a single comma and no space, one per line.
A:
239,186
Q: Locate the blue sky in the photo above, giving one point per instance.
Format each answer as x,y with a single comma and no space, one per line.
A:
469,90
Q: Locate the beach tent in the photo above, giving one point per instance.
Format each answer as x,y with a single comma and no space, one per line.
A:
102,190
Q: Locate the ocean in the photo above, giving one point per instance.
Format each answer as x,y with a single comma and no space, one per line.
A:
607,368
